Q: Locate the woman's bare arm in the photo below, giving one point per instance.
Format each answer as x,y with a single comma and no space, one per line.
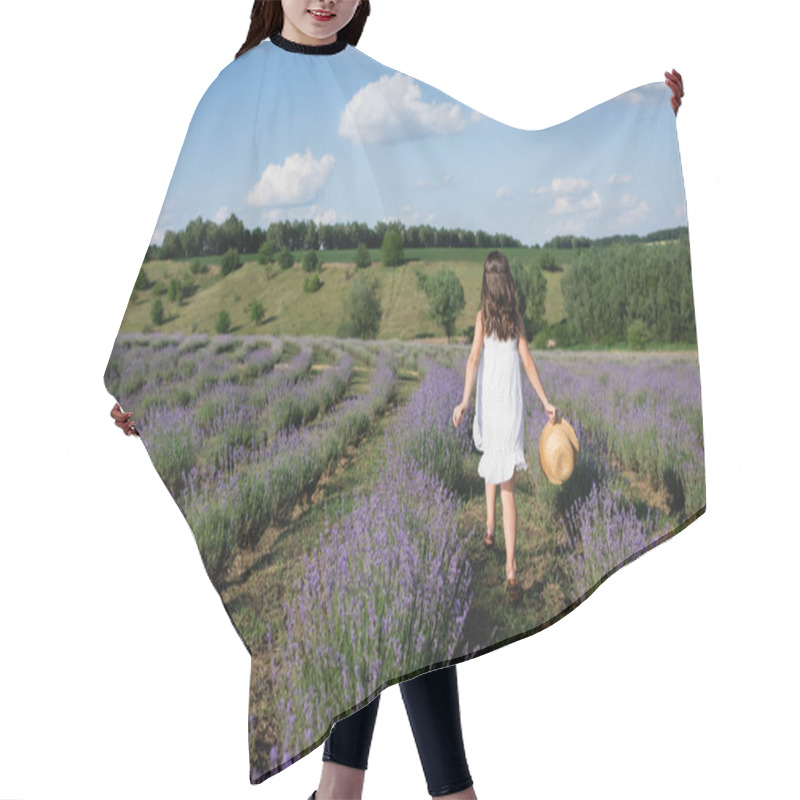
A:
530,367
473,360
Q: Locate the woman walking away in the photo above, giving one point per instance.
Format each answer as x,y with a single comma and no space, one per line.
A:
499,424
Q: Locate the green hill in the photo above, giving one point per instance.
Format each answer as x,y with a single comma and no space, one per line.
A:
290,310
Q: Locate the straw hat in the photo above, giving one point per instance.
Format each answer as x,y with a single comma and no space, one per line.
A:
558,450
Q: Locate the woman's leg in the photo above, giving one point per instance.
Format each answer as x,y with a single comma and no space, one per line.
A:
509,524
491,499
346,753
431,701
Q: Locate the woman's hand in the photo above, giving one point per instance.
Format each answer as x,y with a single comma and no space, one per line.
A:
458,413
551,411
675,82
122,419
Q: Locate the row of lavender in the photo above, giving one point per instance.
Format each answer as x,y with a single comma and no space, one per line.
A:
390,586
236,418
632,415
230,506
229,428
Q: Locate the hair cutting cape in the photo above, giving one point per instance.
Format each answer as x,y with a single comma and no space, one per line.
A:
297,339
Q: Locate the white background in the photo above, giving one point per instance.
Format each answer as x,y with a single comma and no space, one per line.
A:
121,674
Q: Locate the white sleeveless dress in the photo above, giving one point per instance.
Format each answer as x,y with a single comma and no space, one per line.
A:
498,426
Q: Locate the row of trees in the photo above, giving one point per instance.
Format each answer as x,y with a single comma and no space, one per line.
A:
204,237
575,242
392,254
632,292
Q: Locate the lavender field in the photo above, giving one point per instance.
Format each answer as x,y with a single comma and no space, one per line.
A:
339,513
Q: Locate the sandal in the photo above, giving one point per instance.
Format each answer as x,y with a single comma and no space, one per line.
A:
488,540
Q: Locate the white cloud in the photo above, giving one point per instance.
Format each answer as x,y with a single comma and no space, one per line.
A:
221,215
298,180
323,216
503,191
634,214
312,211
409,214
589,202
614,178
568,185
680,213
627,200
390,109
539,189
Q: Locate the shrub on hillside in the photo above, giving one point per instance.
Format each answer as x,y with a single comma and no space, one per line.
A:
157,312
363,258
311,262
256,312
392,252
230,261
142,281
285,258
223,324
362,310
312,282
266,253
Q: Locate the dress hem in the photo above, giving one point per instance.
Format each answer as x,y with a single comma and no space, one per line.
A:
494,469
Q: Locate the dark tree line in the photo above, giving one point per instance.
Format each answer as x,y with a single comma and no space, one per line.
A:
203,237
575,242
614,293
206,238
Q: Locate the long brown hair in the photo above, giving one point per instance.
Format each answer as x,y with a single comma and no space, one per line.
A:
266,18
499,306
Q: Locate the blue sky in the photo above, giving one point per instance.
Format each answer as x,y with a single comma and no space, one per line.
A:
341,137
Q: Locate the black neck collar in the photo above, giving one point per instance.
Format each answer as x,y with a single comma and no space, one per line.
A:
311,49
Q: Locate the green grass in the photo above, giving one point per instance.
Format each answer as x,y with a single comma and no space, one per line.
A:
290,310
